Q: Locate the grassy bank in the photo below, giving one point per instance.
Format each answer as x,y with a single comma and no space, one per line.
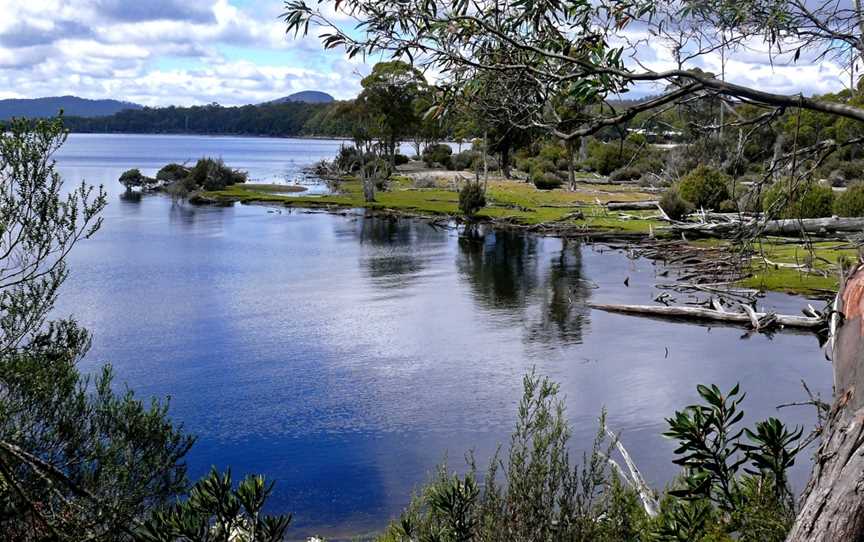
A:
512,201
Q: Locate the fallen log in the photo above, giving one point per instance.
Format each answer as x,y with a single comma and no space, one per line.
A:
700,313
787,227
832,506
632,205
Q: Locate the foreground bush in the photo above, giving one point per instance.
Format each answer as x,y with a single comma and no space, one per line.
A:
801,200
472,198
704,187
172,173
213,174
851,202
465,160
733,485
133,178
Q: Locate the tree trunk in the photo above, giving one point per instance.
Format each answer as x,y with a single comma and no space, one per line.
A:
571,163
832,506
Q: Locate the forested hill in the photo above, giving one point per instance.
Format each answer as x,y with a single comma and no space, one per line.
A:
71,105
280,119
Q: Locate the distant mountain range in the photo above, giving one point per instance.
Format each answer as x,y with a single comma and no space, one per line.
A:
72,106
307,96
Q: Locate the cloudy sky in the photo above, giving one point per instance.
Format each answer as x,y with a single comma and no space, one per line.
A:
160,52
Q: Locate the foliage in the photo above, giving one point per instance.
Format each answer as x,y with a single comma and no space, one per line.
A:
722,471
438,154
77,460
388,100
546,181
465,160
132,178
401,159
675,207
850,202
786,199
172,173
626,173
540,496
472,198
217,512
213,174
704,187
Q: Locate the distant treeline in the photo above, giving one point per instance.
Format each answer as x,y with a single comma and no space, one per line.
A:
280,120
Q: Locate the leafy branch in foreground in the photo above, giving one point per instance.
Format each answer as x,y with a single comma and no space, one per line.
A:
539,496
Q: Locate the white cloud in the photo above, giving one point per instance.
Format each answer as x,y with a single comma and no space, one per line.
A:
161,52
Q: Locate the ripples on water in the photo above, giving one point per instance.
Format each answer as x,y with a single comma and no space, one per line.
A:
345,356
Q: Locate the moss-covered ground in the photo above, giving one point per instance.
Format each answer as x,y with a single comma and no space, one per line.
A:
515,201
521,203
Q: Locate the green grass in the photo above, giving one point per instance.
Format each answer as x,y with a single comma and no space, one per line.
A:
825,259
516,201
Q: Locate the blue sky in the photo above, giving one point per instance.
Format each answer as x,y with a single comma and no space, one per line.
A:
184,52
160,52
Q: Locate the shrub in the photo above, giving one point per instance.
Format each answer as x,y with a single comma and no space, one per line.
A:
624,174
464,160
604,158
472,198
131,178
850,202
213,174
546,181
674,205
172,173
437,154
348,159
704,187
401,159
808,200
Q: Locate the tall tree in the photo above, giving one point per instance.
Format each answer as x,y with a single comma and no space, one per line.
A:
389,95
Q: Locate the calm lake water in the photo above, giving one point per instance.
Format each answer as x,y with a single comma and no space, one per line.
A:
344,357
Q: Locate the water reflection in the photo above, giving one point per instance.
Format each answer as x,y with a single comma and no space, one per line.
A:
390,255
563,312
519,274
501,266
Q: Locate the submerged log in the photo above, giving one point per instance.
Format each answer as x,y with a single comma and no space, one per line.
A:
832,505
812,226
753,318
632,205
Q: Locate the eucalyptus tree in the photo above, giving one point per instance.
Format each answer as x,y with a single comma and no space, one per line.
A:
389,97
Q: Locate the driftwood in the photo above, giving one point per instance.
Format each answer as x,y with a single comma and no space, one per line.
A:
832,505
812,226
631,205
756,320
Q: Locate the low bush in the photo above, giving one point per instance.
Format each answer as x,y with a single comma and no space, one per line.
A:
472,198
212,174
401,159
546,180
172,173
132,178
734,482
850,202
348,159
675,207
801,200
438,154
627,173
465,160
704,187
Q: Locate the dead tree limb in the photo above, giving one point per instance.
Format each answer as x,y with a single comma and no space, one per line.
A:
754,319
